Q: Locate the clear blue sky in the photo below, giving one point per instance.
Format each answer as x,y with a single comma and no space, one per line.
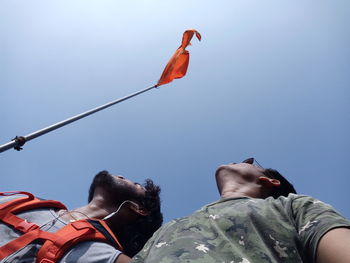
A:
270,79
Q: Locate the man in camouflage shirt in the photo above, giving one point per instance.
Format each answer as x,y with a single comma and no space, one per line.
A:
258,219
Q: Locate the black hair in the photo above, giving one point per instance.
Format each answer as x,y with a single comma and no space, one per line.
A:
137,232
285,187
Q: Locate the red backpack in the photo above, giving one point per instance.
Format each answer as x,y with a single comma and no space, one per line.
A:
55,243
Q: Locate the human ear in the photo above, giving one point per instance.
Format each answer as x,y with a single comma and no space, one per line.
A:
142,212
269,182
138,210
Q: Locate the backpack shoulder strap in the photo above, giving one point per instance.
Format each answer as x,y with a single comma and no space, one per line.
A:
26,203
55,244
30,230
10,208
74,233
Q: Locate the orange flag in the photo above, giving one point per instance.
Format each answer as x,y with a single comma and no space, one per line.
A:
178,63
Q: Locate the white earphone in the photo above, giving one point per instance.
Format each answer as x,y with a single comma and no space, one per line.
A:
116,211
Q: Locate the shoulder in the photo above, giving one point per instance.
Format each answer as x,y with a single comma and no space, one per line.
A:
91,251
294,201
305,203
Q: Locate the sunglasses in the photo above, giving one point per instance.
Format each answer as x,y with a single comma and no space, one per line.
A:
254,162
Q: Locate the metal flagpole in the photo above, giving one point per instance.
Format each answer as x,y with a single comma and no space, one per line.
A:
19,141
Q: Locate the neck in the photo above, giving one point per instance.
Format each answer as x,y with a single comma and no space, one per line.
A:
229,194
240,190
93,210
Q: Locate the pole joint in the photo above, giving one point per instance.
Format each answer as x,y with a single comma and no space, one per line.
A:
20,141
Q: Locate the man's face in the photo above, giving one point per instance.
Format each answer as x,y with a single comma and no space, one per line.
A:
244,172
128,185
117,187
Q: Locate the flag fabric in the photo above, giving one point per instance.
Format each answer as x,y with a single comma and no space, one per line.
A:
178,63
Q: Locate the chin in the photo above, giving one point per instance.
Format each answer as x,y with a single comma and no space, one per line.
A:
220,168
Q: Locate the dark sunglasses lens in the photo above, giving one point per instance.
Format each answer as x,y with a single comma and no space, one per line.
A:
249,160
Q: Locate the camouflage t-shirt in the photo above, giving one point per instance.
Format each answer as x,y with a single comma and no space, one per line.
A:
245,230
